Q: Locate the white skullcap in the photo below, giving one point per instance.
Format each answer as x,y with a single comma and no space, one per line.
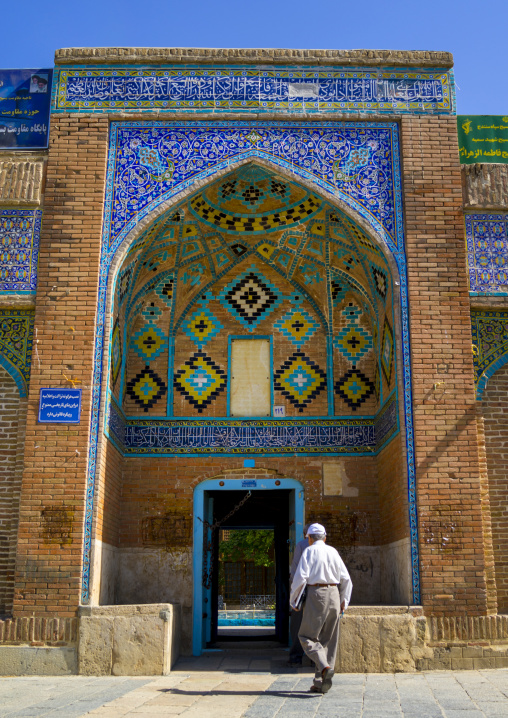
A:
315,529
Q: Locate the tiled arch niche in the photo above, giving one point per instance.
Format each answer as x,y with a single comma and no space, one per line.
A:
329,294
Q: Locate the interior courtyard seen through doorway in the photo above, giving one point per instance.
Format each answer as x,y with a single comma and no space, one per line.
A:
242,290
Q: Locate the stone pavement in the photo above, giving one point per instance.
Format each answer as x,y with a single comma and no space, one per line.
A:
256,683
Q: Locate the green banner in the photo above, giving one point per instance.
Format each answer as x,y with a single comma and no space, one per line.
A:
482,138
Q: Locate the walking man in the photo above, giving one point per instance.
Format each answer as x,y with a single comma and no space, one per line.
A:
295,620
329,588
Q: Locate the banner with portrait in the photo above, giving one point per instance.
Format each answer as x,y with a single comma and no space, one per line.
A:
25,99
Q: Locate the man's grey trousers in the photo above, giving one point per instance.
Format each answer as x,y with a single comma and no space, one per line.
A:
319,632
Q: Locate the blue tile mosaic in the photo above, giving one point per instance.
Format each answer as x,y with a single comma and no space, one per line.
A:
16,337
487,253
19,250
253,89
490,344
307,150
204,148
258,436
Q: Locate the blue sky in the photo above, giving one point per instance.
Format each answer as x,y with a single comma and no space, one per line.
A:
475,32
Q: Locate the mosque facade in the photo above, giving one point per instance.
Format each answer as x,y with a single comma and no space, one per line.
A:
257,276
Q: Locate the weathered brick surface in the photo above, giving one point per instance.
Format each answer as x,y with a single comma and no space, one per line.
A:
12,418
452,551
495,413
48,567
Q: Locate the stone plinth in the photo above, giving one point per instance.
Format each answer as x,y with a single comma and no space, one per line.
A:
139,640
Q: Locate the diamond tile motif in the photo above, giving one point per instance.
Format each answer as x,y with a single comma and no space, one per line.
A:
116,352
250,298
297,326
149,342
387,349
200,380
151,313
202,326
353,342
164,290
354,387
300,380
380,281
239,249
146,388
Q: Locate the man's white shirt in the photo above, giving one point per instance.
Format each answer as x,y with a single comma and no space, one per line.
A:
299,549
321,564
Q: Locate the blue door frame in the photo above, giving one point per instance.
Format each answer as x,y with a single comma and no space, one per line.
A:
202,509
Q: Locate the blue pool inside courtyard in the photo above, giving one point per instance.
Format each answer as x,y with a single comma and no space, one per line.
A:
246,618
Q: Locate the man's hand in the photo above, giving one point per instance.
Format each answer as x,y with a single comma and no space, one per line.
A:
293,608
343,606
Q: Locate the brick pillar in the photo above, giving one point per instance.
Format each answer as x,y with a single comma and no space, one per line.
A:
50,542
452,541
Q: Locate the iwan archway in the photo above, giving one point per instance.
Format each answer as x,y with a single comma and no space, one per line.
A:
259,257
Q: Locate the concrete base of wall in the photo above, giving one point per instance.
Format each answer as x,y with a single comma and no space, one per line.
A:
38,660
136,640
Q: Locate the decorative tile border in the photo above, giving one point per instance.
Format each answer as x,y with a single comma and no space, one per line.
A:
16,336
314,167
196,89
149,167
19,250
270,437
487,253
490,345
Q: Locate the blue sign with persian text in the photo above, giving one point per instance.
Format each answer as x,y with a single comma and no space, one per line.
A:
25,99
60,406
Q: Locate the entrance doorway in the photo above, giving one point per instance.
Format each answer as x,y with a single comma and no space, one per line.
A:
270,508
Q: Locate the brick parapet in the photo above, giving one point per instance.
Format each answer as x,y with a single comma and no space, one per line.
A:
451,530
485,187
252,56
22,179
50,541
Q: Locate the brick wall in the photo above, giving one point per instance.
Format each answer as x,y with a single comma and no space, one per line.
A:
12,418
452,553
48,568
393,496
495,413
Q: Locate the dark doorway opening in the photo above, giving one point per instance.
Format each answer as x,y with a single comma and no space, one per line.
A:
264,510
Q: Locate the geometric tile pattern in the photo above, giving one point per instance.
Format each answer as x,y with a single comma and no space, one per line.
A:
200,380
254,224
146,388
164,290
250,298
487,252
353,342
202,326
124,281
387,351
354,387
297,326
116,352
490,344
19,249
300,380
149,342
380,281
16,334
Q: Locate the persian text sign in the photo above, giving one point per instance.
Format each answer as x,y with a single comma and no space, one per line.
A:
60,406
483,138
198,89
24,108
